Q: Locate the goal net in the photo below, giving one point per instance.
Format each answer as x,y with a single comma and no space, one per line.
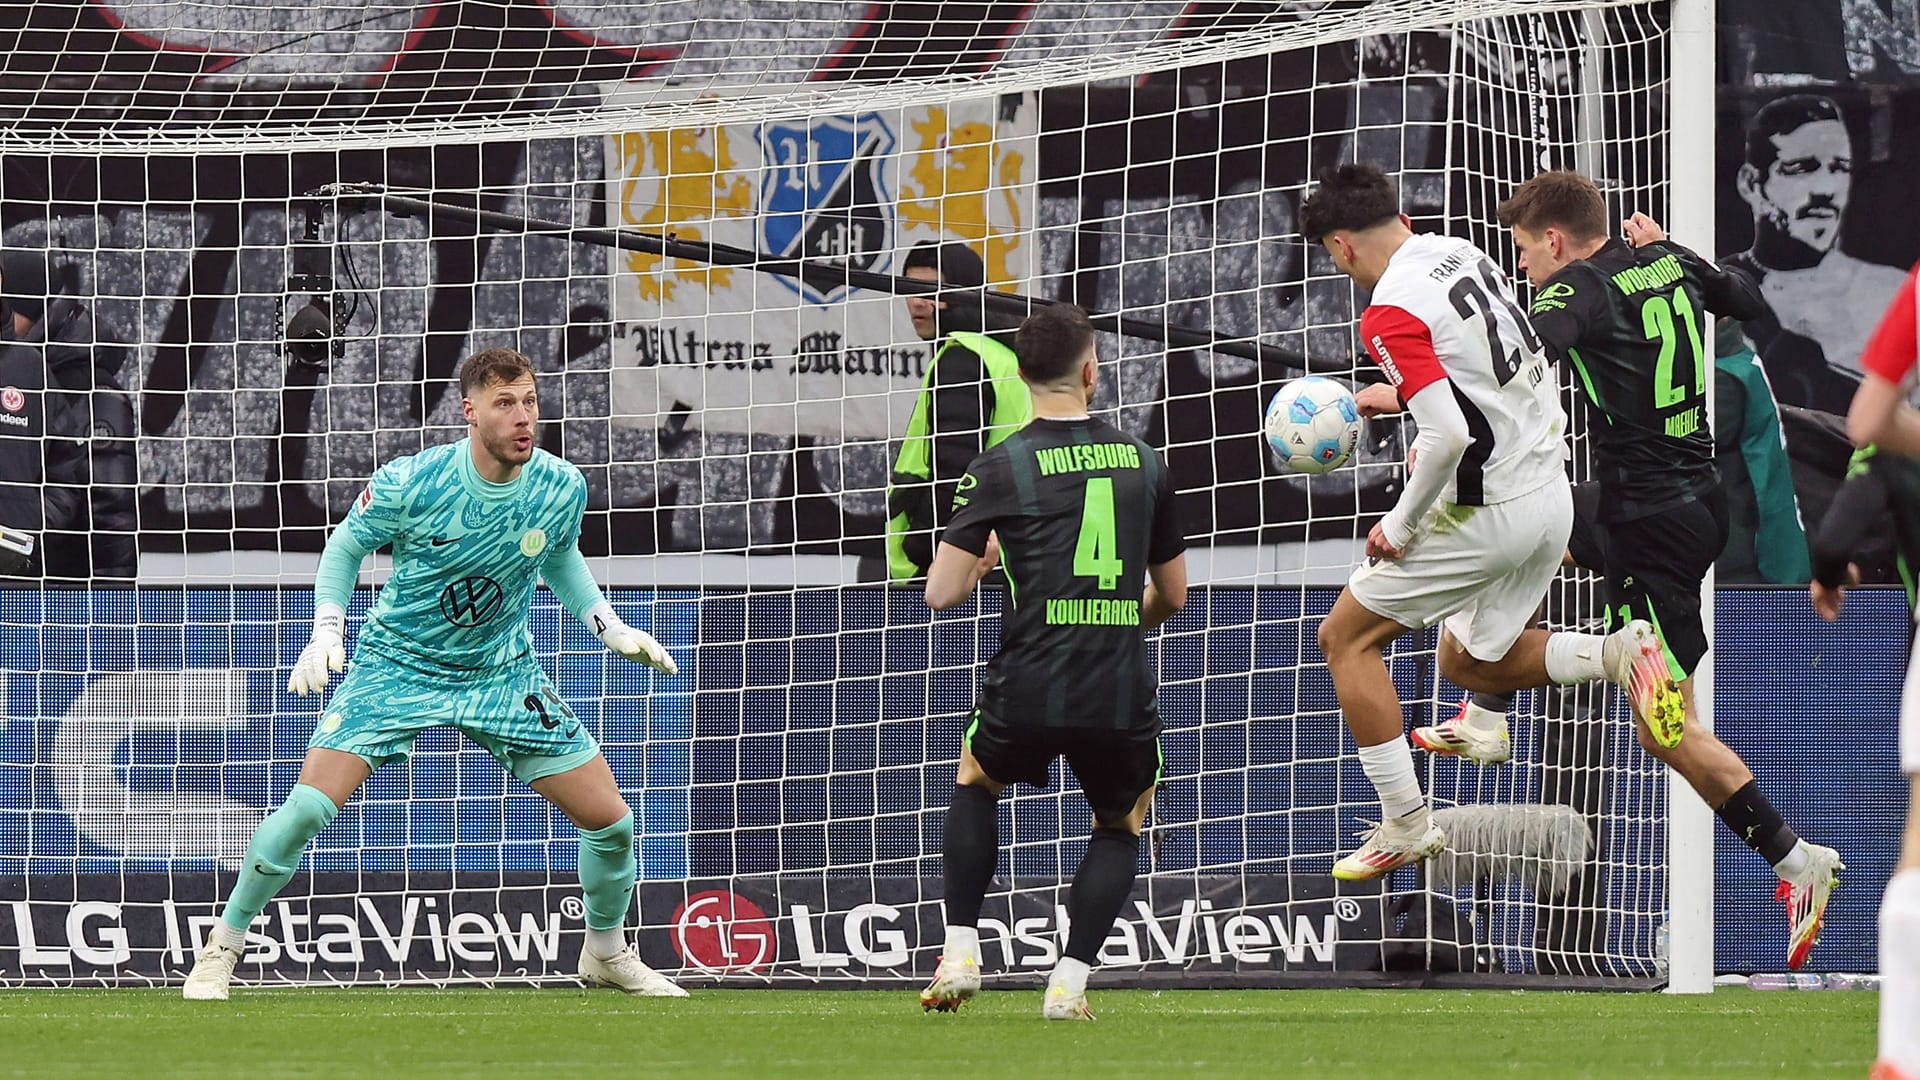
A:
692,214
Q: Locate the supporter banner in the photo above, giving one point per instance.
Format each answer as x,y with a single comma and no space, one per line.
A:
527,927
1819,138
733,350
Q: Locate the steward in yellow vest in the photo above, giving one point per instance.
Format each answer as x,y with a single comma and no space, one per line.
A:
973,398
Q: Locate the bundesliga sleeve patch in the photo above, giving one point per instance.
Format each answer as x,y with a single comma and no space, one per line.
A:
366,497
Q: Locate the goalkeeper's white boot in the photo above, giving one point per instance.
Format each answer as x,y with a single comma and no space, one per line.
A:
1062,1004
624,971
1477,734
212,973
1636,662
955,982
1806,895
1066,992
1392,844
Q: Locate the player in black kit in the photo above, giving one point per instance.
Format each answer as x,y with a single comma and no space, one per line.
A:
1078,513
1630,319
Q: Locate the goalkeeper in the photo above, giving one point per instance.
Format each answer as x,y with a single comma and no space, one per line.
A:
473,526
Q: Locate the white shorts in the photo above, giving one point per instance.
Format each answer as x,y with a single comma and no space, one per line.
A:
1481,569
1910,716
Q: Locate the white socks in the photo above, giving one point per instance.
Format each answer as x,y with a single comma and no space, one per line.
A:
1069,975
1389,767
1477,718
227,937
1795,862
1900,973
962,941
1575,658
605,944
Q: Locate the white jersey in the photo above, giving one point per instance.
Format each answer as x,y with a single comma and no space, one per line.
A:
1444,310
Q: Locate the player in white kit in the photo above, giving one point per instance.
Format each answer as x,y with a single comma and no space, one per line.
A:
1482,524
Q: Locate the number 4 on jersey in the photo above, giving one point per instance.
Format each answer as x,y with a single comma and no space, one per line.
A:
1097,555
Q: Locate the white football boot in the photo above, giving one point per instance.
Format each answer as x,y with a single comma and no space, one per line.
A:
624,971
212,973
1477,734
955,982
1392,844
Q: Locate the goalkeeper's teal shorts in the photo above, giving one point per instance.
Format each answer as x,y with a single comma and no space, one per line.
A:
516,715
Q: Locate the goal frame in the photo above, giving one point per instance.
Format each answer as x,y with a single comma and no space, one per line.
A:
1690,838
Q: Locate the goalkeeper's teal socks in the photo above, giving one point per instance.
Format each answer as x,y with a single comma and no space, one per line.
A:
607,871
274,853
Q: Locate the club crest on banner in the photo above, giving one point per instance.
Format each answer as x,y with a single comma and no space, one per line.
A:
739,349
824,194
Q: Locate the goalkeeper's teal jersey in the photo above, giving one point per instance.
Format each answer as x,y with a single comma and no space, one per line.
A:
466,556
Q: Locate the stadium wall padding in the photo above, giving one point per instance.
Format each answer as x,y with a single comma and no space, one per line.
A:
145,733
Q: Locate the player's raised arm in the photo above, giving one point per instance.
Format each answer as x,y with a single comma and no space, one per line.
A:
1727,292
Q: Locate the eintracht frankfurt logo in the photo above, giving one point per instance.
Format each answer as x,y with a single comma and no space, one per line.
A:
12,400
723,932
471,601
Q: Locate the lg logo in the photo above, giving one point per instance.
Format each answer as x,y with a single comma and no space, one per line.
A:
721,932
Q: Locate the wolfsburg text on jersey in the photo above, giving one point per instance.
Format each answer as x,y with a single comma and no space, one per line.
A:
1094,457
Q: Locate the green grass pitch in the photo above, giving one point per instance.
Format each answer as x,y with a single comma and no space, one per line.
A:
526,1034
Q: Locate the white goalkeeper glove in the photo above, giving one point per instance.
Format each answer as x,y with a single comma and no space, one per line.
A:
636,645
325,651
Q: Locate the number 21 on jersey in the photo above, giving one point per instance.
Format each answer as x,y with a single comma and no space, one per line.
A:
1661,319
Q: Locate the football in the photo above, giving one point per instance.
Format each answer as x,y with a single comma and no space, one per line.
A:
1313,424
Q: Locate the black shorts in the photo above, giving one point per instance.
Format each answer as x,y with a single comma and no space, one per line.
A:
1654,565
1114,768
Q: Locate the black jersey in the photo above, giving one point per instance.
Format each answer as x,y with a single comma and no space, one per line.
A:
1081,510
1632,324
1881,491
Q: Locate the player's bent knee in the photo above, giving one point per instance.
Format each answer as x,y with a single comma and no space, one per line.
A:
1327,637
615,837
1460,668
309,808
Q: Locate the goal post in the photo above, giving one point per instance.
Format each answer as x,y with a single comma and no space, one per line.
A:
1690,833
693,216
